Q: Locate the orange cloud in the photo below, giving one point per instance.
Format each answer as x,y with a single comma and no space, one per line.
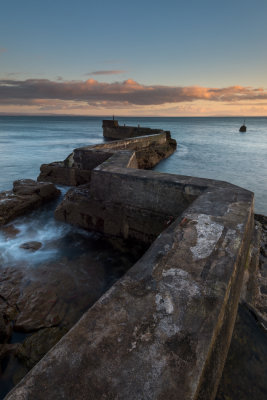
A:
127,95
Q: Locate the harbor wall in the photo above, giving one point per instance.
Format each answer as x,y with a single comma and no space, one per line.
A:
76,169
112,130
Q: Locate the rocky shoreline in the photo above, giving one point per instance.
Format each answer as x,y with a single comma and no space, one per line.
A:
25,196
39,304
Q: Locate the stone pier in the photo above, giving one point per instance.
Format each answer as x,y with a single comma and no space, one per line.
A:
164,329
112,130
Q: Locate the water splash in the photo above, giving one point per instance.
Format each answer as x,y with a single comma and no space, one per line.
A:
38,226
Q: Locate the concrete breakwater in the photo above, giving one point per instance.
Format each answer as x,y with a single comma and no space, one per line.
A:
164,329
112,130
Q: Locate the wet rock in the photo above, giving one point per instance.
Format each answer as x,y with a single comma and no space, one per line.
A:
7,349
37,309
10,231
21,357
10,283
25,196
38,300
7,353
5,329
262,219
13,370
62,173
37,345
32,246
45,301
245,370
27,187
58,293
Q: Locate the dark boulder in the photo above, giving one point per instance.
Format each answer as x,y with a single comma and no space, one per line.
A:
31,246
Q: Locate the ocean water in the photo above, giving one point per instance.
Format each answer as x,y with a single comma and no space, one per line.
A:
207,147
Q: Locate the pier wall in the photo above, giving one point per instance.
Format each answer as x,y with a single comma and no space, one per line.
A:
112,130
76,169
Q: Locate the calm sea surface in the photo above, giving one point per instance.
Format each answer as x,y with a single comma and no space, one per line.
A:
207,147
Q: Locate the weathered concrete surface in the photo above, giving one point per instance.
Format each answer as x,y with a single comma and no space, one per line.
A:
77,168
25,196
163,330
127,202
132,205
112,130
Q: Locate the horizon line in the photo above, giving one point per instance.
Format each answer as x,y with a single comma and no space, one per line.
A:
128,116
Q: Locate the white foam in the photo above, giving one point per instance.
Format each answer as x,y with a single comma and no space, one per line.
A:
40,227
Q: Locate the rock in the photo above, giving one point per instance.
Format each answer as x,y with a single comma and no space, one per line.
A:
10,231
37,308
10,284
5,329
45,302
37,345
62,173
7,349
32,246
12,371
19,358
7,355
261,218
25,196
26,187
245,370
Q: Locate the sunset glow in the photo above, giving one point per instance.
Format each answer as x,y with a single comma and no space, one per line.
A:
180,60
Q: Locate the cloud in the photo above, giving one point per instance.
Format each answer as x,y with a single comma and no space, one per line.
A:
106,72
128,92
2,50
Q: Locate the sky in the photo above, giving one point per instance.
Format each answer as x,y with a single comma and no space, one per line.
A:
141,58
